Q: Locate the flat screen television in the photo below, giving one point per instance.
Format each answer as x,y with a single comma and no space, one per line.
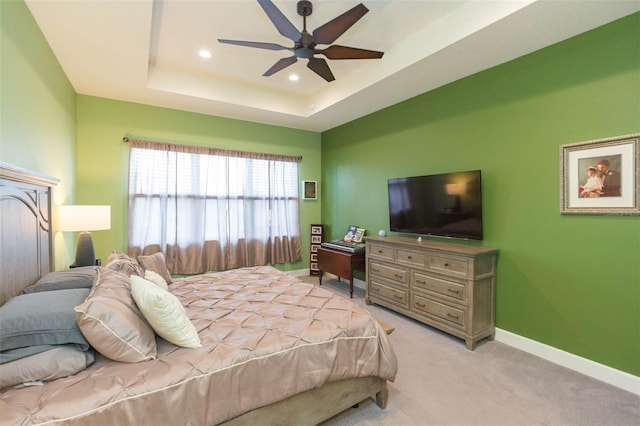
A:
445,205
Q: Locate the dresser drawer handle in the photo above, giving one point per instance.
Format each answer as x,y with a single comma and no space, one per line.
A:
450,290
376,289
377,271
422,305
409,257
446,265
398,275
421,282
379,251
398,297
453,316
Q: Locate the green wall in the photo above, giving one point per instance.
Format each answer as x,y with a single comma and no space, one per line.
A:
572,282
37,110
103,157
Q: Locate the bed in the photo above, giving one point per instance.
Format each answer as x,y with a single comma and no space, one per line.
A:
268,348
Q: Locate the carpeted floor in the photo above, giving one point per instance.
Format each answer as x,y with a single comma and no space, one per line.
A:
440,382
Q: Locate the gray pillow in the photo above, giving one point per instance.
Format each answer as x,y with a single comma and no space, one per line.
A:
60,361
42,318
59,280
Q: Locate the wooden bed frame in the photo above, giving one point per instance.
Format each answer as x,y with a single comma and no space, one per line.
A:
26,254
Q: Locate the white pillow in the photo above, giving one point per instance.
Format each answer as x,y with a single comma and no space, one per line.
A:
165,313
156,278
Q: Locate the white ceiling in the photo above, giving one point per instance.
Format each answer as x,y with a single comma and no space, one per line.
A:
146,51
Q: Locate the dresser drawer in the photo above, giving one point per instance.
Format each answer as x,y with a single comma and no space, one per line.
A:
381,252
446,288
389,272
431,308
411,258
448,265
394,295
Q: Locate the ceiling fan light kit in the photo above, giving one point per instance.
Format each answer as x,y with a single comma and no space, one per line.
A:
305,44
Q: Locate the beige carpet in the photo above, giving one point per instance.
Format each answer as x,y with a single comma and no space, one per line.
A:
440,382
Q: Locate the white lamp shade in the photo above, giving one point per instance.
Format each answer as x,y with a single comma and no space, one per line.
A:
84,218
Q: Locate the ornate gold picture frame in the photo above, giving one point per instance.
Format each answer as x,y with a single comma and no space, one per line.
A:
601,176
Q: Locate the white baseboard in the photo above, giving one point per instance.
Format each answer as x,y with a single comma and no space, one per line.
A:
601,372
585,366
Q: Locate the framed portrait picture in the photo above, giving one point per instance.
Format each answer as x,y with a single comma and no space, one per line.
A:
601,176
316,229
309,190
314,248
316,239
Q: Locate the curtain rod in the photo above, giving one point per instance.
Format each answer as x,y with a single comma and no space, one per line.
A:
125,139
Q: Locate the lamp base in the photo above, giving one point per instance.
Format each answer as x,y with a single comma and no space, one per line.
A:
85,254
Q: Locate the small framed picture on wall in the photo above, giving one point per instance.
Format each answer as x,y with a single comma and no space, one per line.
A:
309,190
601,177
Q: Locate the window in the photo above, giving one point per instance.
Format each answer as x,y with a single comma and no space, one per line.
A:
211,209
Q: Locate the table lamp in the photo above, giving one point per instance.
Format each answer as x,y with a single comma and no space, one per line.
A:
84,219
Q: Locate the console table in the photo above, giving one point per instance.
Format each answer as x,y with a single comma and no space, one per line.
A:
340,263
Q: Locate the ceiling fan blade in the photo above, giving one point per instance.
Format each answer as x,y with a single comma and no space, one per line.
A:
257,44
329,32
344,52
282,24
280,65
320,67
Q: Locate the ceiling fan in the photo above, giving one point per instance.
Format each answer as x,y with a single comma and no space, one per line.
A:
305,44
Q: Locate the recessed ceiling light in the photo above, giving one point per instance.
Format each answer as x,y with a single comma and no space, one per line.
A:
204,53
294,77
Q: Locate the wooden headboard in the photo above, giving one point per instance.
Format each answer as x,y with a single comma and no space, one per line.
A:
26,234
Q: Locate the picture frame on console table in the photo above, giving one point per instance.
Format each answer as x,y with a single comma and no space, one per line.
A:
601,177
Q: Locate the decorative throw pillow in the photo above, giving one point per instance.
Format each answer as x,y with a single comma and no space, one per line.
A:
155,278
60,361
121,262
156,263
81,277
165,313
42,318
111,322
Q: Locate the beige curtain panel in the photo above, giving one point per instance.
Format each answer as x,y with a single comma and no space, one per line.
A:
209,209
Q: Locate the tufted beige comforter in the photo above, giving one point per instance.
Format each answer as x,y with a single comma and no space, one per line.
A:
265,337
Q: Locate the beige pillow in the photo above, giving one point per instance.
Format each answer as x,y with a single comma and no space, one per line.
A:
110,320
123,263
156,263
165,313
155,278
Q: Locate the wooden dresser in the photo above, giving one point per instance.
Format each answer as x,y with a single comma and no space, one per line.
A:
445,285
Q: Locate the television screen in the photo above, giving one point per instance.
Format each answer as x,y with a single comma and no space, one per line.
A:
446,205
